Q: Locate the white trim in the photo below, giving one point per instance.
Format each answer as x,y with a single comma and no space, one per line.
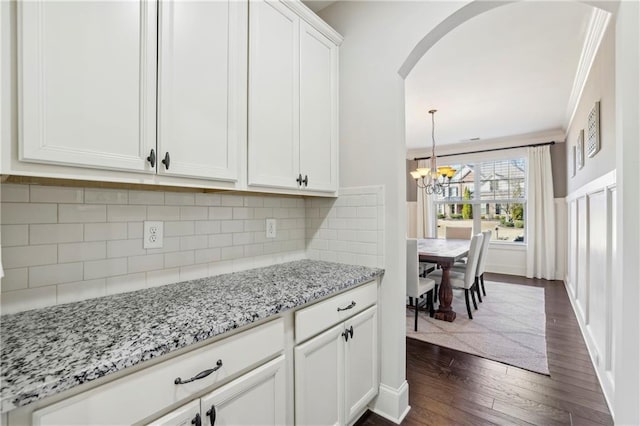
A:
595,32
595,185
314,20
392,404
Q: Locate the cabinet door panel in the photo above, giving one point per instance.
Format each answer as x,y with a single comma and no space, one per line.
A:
361,356
257,398
318,110
273,95
183,416
319,380
87,92
202,79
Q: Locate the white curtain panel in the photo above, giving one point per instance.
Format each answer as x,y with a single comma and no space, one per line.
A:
541,221
425,216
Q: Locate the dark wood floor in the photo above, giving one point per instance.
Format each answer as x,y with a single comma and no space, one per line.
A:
450,387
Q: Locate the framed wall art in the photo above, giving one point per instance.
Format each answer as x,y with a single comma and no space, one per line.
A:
593,131
580,150
572,162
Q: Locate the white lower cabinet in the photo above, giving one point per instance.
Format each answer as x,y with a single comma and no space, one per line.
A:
257,398
336,372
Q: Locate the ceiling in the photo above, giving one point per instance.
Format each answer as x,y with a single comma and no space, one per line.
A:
509,71
317,5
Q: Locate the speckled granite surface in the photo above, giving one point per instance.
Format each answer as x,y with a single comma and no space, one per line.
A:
49,350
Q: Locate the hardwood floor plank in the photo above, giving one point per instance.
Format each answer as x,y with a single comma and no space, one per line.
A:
449,387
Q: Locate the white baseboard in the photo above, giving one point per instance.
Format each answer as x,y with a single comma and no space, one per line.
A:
392,404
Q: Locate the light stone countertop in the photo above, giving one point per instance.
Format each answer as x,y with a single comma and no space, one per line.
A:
49,350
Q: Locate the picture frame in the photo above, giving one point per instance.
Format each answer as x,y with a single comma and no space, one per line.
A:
580,150
593,131
572,162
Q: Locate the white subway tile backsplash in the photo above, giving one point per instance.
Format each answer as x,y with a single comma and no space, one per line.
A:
55,274
262,212
231,200
105,268
231,226
13,193
81,213
135,230
179,258
220,213
106,231
367,212
124,248
242,213
32,298
162,277
55,233
192,242
242,238
254,250
272,202
220,240
178,228
14,279
253,201
194,272
169,244
194,213
207,255
145,263
81,290
14,235
125,283
163,213
207,199
56,194
73,252
25,213
17,257
106,196
253,225
207,227
180,198
146,197
229,253
117,213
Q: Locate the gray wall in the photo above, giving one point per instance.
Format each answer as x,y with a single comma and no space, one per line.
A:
559,169
412,188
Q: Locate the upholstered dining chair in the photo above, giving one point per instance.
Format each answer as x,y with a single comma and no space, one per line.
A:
482,261
417,286
465,280
457,232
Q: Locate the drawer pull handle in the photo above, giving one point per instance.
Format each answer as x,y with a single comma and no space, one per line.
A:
212,415
200,375
351,305
197,421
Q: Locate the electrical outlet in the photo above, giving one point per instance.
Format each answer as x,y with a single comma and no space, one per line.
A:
271,228
153,234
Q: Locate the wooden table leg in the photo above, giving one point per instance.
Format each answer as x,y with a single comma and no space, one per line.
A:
445,294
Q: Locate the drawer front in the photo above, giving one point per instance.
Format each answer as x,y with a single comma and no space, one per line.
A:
143,393
316,318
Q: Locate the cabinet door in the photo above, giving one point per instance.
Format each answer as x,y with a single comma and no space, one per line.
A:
273,95
186,415
202,87
361,362
87,89
318,110
319,379
257,398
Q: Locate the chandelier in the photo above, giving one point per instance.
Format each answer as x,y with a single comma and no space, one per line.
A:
433,179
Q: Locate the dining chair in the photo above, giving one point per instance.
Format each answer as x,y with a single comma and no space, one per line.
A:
418,286
465,280
457,232
482,261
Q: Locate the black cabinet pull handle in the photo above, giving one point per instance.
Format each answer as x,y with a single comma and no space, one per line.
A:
197,421
346,335
299,179
167,160
305,180
200,375
152,158
351,305
212,415
350,330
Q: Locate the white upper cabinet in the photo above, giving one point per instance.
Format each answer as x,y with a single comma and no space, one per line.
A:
318,110
273,95
87,86
201,88
293,125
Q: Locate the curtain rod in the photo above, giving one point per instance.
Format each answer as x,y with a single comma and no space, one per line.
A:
487,150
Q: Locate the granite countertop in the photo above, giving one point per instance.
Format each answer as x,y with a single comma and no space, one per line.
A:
49,350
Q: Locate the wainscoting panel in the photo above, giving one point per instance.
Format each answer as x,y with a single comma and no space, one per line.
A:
590,276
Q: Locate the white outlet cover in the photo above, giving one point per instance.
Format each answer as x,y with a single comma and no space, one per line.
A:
270,228
153,234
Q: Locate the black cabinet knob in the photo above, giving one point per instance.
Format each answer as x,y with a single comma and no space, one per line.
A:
212,415
167,160
197,421
299,179
305,180
152,158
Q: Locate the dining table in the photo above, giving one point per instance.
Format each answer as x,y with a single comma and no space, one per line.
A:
444,252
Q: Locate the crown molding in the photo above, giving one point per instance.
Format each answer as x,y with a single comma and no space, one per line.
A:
595,32
314,20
